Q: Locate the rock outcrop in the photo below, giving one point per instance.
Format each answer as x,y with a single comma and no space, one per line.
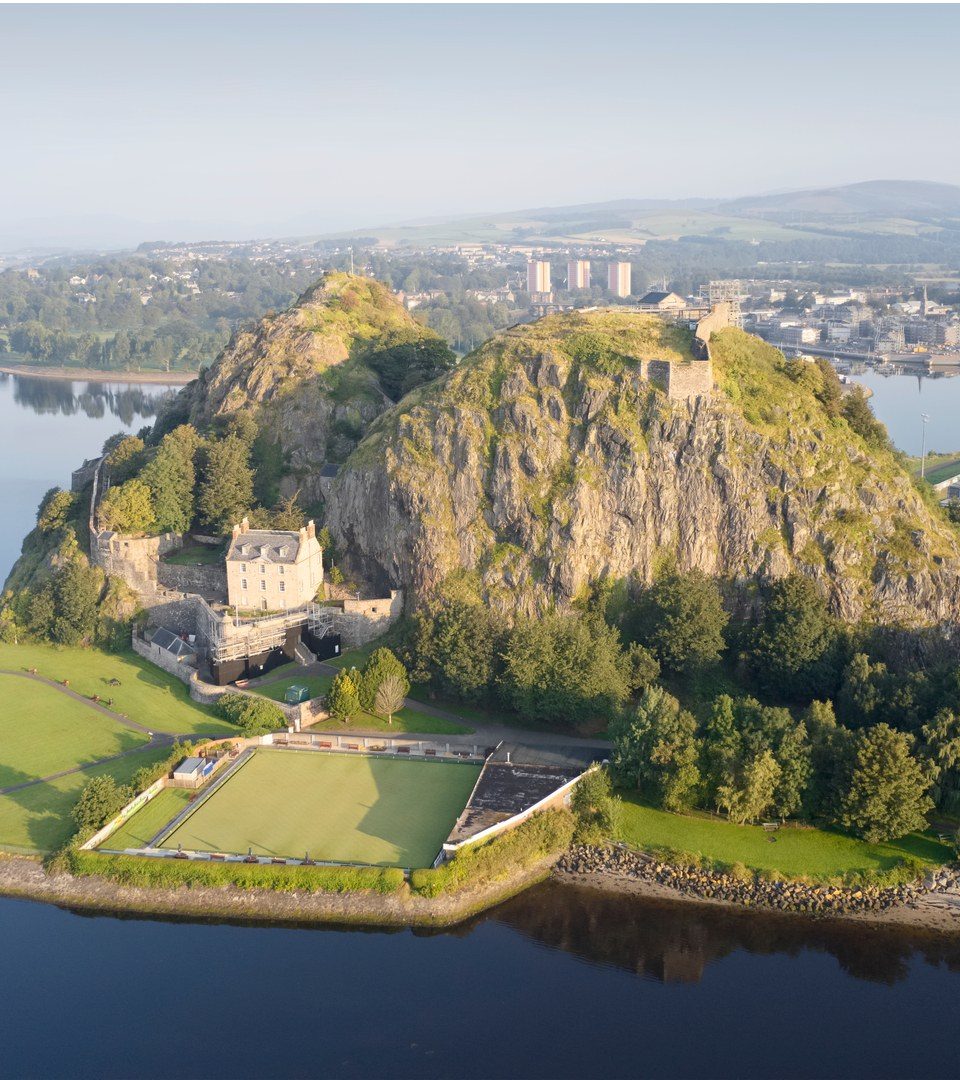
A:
550,459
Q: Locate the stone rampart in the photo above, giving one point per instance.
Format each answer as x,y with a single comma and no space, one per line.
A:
209,581
133,558
361,621
182,669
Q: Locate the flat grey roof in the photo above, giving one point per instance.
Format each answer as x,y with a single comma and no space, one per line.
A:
189,766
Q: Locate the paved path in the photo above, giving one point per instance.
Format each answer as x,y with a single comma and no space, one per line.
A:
484,732
156,739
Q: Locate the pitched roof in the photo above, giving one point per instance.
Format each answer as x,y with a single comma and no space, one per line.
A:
274,547
173,644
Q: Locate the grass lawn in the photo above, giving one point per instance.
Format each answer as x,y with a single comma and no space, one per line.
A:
145,694
318,685
146,823
37,819
196,555
43,731
813,853
339,808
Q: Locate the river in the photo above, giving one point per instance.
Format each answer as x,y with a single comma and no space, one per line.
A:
901,401
559,982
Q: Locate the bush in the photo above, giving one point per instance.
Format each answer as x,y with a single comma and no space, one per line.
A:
253,715
171,873
100,800
544,834
599,812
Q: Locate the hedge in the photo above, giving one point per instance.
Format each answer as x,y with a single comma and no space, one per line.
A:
544,834
171,873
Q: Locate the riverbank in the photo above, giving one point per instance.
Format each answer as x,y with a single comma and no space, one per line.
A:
933,906
26,878
158,378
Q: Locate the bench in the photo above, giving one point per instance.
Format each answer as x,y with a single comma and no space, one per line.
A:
429,753
403,749
325,745
771,826
353,746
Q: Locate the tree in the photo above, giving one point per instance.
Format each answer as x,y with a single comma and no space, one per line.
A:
171,478
226,487
564,669
656,750
100,800
382,664
941,750
54,511
599,811
750,794
681,618
797,645
858,414
124,458
401,368
452,643
127,508
390,696
343,700
253,715
76,589
887,794
831,761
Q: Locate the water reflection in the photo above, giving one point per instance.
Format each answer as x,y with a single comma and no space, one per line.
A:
677,943
59,397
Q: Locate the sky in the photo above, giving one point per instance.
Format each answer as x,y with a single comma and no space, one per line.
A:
122,124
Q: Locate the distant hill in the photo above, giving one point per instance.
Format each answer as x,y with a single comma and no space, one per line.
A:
888,207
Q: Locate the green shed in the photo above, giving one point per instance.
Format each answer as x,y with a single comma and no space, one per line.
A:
296,694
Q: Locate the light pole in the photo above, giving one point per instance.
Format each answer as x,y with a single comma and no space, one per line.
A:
923,444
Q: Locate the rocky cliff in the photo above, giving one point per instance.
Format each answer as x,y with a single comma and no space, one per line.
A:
311,375
550,459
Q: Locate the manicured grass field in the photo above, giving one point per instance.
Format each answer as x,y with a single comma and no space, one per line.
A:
146,823
196,555
318,685
814,853
37,819
145,694
43,731
380,811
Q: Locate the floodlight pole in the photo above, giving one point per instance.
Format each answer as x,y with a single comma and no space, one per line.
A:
923,444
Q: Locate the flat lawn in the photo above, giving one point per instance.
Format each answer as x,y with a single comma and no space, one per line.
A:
380,811
196,555
37,819
813,853
146,823
145,694
318,685
43,731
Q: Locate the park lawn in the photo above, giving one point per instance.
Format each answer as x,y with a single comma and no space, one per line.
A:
145,694
37,818
146,823
339,808
407,720
318,685
813,853
44,731
196,555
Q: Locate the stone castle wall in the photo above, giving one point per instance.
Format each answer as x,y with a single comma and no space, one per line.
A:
363,620
135,559
209,581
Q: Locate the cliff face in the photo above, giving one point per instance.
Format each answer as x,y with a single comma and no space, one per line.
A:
309,373
547,461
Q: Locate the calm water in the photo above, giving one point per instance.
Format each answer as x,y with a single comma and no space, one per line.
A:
47,428
901,400
557,983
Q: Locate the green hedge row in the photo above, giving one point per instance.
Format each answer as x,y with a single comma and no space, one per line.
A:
543,834
170,873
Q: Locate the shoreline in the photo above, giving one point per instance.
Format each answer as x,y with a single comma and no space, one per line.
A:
158,378
24,878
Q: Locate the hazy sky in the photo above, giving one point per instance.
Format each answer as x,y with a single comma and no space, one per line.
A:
177,121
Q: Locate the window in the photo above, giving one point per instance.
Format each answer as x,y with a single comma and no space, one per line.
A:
283,586
243,568
263,586
263,603
243,584
280,569
263,568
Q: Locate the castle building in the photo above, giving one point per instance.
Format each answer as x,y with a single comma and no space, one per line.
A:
618,279
271,570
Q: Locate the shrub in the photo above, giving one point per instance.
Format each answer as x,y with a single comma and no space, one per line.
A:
100,800
543,834
253,715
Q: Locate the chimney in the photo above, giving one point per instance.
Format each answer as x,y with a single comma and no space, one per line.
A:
311,530
236,531
303,535
245,524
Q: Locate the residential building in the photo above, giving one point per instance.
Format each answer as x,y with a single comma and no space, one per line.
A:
538,276
661,301
578,274
271,570
618,279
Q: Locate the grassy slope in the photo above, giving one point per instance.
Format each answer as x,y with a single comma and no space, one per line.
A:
813,853
146,823
349,809
145,694
38,817
43,731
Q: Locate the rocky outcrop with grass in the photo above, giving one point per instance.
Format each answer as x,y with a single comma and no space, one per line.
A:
548,461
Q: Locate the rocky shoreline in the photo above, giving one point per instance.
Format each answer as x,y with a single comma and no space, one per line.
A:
932,904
